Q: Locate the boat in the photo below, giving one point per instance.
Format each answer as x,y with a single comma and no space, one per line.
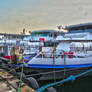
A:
73,55
31,45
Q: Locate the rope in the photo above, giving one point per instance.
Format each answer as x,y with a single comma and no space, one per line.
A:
12,69
71,77
20,81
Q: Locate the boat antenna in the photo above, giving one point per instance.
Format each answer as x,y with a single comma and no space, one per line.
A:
60,27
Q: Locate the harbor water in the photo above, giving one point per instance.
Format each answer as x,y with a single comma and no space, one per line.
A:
83,84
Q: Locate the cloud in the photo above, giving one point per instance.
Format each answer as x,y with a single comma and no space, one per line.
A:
42,14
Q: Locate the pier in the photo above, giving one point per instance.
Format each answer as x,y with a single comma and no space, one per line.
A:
9,82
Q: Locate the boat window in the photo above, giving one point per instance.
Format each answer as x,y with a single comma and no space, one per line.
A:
80,56
55,35
45,55
1,54
40,56
57,56
41,34
73,56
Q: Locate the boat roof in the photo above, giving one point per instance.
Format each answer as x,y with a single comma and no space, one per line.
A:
42,31
79,26
7,34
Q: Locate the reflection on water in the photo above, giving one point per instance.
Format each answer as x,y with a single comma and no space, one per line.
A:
80,85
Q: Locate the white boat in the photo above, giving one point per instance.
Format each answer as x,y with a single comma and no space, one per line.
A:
31,44
73,55
40,38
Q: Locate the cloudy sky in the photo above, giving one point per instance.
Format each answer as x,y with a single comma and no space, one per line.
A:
42,14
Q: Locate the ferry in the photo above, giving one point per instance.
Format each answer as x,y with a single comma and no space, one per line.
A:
31,45
73,55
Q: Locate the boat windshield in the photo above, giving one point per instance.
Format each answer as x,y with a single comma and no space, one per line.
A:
41,34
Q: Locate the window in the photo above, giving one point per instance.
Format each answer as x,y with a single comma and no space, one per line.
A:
46,55
80,56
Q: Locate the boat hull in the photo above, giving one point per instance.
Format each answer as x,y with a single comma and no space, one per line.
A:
54,73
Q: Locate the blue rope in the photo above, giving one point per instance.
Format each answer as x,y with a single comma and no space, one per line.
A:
81,74
70,78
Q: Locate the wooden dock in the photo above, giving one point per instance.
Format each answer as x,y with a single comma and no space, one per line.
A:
10,83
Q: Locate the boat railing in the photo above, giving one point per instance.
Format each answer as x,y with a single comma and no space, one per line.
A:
56,54
53,54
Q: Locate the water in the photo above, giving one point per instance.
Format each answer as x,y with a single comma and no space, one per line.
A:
79,85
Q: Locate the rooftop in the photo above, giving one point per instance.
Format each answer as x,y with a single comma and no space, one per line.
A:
6,34
39,31
79,26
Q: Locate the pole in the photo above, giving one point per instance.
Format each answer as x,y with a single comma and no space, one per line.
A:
64,70
64,65
20,81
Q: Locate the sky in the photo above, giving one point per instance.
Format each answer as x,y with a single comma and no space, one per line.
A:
42,14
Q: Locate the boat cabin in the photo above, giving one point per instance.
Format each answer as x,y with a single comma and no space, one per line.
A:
42,35
79,28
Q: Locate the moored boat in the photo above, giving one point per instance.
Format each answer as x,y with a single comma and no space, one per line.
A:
73,55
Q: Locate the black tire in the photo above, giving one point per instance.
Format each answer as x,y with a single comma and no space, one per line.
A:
33,83
51,89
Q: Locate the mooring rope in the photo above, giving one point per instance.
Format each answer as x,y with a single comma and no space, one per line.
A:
12,69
